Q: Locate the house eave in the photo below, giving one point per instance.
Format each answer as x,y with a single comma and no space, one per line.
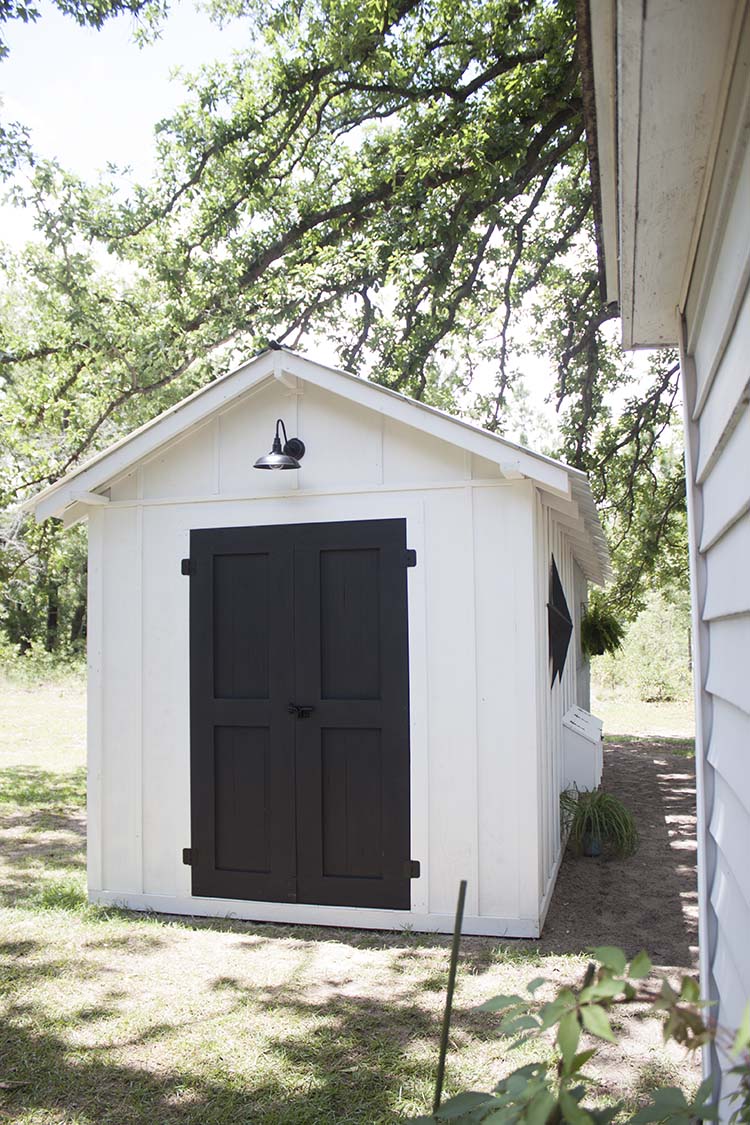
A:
659,74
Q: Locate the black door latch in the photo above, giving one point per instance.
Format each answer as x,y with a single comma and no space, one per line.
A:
301,710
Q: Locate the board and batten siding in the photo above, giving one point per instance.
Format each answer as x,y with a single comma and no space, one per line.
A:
472,641
553,699
715,351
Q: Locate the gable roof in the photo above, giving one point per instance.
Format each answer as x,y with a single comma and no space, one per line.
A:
568,486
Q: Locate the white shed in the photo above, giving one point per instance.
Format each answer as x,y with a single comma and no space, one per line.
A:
324,695
669,87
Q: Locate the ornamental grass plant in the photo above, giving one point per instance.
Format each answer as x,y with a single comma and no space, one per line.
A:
598,822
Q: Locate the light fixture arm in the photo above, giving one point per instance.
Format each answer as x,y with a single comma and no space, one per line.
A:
280,422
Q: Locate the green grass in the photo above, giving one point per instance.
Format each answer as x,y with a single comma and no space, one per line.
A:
114,1018
43,725
622,716
682,747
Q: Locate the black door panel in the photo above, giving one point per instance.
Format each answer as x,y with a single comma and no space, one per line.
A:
300,713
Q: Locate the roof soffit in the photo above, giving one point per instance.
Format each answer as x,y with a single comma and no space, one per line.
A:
671,75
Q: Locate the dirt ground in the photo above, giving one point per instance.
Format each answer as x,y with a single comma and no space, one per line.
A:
130,1020
649,901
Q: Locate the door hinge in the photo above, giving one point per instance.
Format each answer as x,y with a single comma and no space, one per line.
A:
410,557
412,869
187,567
187,857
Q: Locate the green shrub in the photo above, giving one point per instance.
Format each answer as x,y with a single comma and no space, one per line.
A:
560,1091
37,666
653,662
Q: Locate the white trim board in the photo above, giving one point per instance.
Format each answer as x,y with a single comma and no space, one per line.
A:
297,913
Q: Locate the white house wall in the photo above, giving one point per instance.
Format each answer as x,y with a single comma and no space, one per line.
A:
715,346
472,637
583,664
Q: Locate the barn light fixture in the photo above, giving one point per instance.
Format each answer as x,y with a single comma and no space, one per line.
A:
287,458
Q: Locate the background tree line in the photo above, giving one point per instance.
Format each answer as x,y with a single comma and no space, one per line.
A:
406,179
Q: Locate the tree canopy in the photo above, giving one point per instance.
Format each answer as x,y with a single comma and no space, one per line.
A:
407,179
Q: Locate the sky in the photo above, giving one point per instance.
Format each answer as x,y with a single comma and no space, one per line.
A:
92,96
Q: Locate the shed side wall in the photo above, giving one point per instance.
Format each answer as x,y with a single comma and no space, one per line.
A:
553,699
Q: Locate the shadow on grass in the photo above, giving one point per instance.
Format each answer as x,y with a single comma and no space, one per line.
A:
42,789
344,1059
659,744
43,857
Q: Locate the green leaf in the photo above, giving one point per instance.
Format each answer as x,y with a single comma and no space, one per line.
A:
462,1103
611,957
551,1013
571,1110
568,1034
539,1108
500,1003
690,990
512,1023
535,984
667,992
668,1104
699,1107
602,990
742,1038
581,1059
648,1114
640,966
596,1021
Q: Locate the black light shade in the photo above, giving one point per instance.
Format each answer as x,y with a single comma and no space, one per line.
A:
288,457
559,622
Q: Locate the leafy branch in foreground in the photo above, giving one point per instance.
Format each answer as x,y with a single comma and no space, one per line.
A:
544,1093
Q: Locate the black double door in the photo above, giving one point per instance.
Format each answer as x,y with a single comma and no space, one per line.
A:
300,713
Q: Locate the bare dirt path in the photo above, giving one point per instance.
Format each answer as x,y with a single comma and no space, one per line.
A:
650,900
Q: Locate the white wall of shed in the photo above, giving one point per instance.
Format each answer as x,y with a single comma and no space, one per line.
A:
583,664
552,701
715,333
473,663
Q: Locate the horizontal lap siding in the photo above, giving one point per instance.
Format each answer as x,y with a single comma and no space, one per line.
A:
728,590
717,382
726,490
728,673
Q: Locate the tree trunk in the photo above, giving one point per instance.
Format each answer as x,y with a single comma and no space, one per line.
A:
78,624
53,616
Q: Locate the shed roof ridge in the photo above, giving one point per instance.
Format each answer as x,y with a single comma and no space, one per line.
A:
266,361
